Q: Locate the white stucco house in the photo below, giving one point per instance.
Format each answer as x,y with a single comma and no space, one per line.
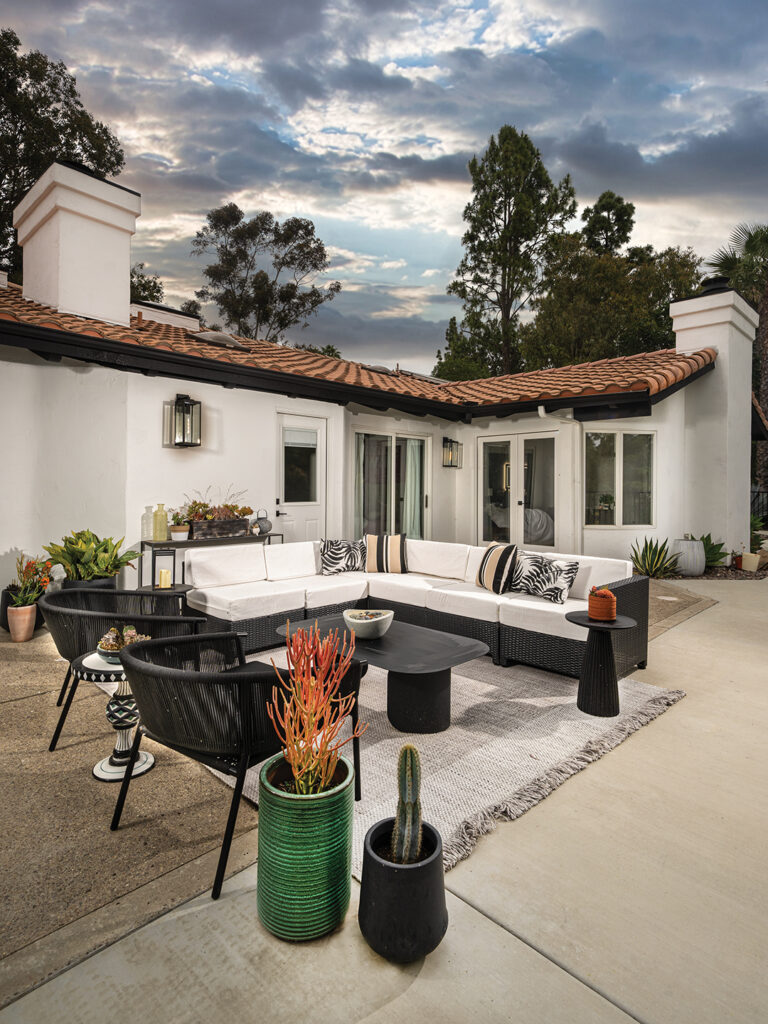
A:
584,458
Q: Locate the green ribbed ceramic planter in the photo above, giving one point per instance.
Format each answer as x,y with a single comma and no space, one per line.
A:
305,850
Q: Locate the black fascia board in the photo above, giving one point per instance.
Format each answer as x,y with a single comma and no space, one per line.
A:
48,342
759,429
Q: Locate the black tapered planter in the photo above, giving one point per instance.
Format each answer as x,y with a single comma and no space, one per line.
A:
99,581
402,912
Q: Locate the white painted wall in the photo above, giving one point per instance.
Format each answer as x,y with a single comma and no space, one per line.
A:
63,465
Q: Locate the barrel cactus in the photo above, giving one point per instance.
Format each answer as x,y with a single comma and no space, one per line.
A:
406,834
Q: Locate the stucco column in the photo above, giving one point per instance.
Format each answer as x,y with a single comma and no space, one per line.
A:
715,462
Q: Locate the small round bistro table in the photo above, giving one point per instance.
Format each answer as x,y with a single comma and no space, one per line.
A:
122,715
598,684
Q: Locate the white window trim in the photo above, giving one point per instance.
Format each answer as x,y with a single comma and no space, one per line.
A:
618,481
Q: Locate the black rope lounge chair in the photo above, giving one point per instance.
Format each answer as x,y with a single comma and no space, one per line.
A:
199,696
78,618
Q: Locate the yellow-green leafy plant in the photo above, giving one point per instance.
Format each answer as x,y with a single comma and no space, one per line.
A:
84,556
654,559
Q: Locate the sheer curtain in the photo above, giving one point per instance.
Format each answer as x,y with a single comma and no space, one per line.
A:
359,484
412,492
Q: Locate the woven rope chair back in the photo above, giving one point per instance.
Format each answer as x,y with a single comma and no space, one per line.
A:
186,699
77,619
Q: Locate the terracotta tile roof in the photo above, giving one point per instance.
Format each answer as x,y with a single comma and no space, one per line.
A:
650,372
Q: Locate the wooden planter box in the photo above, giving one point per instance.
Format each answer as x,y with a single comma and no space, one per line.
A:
218,528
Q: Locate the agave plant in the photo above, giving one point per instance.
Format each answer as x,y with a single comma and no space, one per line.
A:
714,553
84,556
654,559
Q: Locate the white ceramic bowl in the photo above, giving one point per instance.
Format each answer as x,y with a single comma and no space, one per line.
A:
368,623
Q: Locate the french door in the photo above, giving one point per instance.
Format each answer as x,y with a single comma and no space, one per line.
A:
390,494
301,478
517,490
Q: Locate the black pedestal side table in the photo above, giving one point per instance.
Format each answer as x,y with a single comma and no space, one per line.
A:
598,685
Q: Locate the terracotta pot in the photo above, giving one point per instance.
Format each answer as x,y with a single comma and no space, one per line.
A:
21,622
602,609
737,561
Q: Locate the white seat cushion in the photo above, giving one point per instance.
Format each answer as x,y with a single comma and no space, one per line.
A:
291,561
593,572
407,588
433,558
466,599
220,566
346,586
248,600
474,558
539,616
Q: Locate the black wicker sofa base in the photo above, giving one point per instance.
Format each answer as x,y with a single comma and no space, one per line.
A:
508,645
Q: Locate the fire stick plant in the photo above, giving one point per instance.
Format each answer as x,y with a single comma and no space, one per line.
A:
406,834
308,714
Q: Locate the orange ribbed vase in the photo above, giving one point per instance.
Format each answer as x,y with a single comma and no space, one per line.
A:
602,607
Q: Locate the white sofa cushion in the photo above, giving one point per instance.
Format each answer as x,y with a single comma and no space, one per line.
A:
449,561
466,599
223,565
338,589
407,588
594,572
291,561
248,600
474,559
539,616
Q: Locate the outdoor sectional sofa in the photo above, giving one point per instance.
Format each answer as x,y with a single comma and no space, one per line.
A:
253,589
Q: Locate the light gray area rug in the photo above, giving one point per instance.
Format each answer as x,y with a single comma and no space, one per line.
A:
516,735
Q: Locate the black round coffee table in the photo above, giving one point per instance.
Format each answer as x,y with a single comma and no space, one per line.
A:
598,684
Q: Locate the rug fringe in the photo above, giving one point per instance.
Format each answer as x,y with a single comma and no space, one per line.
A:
463,841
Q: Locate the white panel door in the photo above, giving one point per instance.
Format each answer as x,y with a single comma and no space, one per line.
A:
517,490
301,484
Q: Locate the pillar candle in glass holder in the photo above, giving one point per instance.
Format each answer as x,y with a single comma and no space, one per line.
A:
164,579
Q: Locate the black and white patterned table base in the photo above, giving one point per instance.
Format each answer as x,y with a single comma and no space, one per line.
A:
122,715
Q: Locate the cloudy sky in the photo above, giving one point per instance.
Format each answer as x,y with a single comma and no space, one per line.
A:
362,115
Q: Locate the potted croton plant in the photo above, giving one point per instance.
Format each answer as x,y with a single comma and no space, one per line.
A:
19,604
88,560
402,912
306,793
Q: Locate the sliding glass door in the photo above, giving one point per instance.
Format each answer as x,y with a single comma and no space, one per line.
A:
390,475
517,490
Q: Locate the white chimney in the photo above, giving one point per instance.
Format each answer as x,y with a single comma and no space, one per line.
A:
76,233
718,412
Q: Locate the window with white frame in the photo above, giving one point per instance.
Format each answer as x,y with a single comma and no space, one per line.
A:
618,478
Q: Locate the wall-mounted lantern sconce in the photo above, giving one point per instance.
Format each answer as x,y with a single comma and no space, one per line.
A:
181,423
453,453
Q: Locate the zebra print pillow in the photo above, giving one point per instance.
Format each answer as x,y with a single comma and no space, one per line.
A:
342,556
550,578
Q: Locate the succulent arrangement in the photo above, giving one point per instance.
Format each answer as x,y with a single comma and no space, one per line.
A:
115,639
308,713
654,559
201,508
406,833
84,556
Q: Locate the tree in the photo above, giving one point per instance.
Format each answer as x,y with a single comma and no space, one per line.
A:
745,261
467,356
599,305
325,350
262,278
42,119
514,211
145,287
608,223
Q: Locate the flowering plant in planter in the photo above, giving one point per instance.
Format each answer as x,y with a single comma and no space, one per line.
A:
32,577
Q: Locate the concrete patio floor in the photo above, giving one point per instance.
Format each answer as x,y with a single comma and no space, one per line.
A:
636,891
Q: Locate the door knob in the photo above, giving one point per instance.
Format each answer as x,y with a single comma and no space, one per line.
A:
519,503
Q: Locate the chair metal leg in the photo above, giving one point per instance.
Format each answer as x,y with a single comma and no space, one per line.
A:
126,780
63,715
230,829
356,759
64,686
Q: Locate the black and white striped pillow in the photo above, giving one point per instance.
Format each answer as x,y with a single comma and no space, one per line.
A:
342,556
385,552
496,568
550,578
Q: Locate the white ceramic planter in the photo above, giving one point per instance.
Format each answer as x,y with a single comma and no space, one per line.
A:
692,560
750,562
